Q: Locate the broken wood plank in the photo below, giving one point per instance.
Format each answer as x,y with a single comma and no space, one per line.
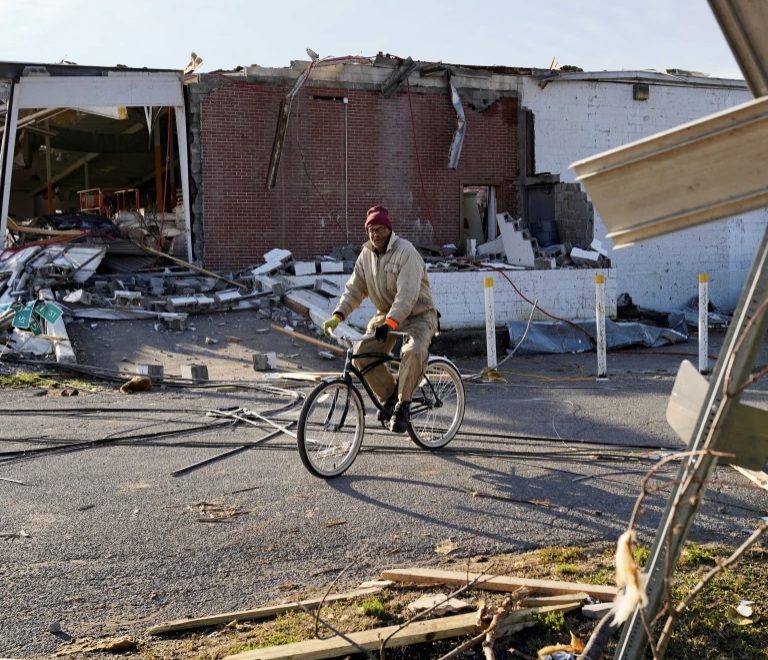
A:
257,613
539,601
310,340
41,231
415,633
758,477
497,582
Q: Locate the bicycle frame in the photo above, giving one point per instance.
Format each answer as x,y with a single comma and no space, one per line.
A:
350,369
378,359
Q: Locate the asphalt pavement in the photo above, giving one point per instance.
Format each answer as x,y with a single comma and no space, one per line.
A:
100,538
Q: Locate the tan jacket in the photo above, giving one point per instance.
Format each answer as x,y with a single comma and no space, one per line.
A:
396,282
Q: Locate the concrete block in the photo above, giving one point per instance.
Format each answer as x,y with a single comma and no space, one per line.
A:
127,298
585,258
178,322
331,267
154,371
181,302
519,251
278,254
194,371
271,284
545,263
304,267
597,246
495,246
204,302
275,260
228,297
264,361
327,288
157,286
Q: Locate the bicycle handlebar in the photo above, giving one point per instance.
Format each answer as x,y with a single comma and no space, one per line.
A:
349,342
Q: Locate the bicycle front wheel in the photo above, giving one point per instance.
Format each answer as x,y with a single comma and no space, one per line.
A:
331,428
437,405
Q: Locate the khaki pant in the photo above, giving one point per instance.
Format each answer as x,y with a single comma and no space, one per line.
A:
413,355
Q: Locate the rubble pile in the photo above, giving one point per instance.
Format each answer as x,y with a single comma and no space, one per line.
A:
41,287
94,275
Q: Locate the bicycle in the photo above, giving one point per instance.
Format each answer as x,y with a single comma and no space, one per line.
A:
332,420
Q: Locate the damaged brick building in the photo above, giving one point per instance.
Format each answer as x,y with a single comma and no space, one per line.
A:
347,139
258,158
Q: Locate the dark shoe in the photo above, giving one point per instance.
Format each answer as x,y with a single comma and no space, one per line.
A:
400,418
389,406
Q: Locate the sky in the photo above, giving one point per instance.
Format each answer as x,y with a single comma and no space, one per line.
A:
596,35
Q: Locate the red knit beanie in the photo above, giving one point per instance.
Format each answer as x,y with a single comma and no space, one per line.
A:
378,215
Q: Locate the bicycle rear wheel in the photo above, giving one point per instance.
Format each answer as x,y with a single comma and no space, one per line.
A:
437,405
331,428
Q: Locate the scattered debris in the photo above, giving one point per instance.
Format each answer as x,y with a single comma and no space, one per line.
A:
574,648
261,612
578,336
21,534
742,614
13,481
415,632
196,372
216,512
439,604
497,582
137,384
446,547
264,361
115,645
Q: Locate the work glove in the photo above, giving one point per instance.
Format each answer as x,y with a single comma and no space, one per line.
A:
331,324
382,332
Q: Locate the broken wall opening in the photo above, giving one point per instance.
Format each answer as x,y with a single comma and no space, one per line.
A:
479,208
98,145
558,212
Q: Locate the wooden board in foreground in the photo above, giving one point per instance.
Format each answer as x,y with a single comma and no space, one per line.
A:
415,633
258,613
497,582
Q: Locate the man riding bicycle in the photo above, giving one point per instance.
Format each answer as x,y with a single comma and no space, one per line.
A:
391,272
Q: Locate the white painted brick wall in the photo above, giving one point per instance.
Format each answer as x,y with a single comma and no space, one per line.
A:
577,119
565,293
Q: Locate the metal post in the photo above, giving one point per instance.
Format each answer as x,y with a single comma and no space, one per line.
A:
490,323
6,155
602,367
734,366
703,323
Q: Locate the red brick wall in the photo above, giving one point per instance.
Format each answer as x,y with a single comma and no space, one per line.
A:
305,211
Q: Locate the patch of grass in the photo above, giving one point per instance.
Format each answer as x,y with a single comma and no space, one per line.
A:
558,555
19,380
240,648
288,628
567,569
374,607
703,633
552,622
697,555
640,554
22,379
